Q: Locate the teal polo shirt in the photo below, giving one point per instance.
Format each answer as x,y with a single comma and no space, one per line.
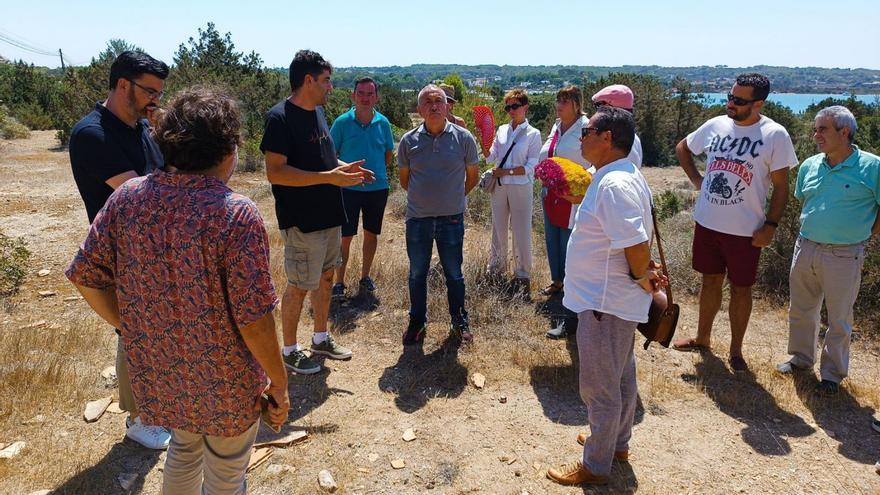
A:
840,203
355,141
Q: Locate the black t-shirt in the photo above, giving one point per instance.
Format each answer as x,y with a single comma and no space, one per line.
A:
304,138
102,146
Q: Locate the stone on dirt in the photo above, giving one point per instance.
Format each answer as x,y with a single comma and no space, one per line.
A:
479,380
409,435
12,450
95,409
326,481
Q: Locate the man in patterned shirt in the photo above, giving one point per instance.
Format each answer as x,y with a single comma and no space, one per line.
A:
180,264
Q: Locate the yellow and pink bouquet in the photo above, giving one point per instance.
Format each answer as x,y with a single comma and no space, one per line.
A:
563,177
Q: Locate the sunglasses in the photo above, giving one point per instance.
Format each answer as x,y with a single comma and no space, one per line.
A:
585,131
513,106
738,101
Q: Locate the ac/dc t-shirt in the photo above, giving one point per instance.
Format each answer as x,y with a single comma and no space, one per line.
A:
304,138
739,160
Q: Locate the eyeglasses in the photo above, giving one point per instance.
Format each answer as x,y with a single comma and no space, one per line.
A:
599,104
585,131
513,106
738,101
151,93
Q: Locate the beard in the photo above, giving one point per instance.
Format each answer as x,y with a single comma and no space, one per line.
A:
139,111
737,114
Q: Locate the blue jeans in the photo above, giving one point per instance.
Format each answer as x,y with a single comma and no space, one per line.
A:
448,232
557,243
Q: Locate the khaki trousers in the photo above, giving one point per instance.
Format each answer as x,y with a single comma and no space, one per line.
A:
832,273
204,464
512,212
126,397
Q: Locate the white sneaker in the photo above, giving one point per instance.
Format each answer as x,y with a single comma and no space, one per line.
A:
151,437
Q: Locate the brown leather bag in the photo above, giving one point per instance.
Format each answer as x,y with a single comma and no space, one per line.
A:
661,323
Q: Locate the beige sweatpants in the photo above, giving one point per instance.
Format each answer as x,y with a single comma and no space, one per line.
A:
204,464
512,212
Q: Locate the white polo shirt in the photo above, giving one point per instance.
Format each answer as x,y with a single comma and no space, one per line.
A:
615,214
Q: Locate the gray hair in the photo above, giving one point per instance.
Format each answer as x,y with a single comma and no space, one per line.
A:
841,117
431,88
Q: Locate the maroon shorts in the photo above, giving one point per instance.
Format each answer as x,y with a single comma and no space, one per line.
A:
716,253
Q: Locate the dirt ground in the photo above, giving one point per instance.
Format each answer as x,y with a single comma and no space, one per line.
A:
700,429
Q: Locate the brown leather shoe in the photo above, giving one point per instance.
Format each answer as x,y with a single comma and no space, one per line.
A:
575,474
619,456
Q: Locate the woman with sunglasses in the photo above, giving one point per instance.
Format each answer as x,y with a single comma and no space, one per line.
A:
514,153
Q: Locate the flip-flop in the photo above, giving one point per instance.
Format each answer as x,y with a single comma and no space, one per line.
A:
689,345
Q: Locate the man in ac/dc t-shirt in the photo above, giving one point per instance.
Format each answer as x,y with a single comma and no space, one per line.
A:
306,177
746,152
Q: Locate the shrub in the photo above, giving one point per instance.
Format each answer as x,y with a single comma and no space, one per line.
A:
250,158
14,256
11,128
33,116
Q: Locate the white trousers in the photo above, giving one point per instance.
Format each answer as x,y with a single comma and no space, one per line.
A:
512,212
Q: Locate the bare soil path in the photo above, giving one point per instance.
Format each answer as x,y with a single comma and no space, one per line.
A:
700,429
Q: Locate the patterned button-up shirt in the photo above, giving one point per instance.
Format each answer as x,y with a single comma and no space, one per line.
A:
189,262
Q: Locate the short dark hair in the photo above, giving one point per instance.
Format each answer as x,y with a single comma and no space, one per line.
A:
306,62
131,65
365,80
759,83
200,128
621,124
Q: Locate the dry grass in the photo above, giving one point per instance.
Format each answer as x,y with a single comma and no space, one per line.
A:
700,429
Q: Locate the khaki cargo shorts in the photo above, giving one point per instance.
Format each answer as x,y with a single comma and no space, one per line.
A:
308,255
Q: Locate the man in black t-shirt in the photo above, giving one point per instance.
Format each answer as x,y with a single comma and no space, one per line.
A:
306,176
107,147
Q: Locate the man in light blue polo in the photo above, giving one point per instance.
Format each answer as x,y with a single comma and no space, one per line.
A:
840,192
363,133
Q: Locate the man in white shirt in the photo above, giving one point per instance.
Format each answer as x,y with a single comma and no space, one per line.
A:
609,282
746,152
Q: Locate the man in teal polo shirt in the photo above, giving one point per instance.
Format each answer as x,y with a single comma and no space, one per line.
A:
364,133
840,192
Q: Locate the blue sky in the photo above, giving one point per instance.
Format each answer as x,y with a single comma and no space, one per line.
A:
635,32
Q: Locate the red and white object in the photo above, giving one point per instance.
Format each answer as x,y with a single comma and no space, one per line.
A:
485,122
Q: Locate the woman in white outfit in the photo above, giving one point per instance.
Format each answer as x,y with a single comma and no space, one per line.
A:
514,154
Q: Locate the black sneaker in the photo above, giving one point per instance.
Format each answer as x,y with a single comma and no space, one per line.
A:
338,293
415,333
367,285
462,332
826,387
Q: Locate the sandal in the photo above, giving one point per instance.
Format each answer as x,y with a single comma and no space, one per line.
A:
551,289
689,345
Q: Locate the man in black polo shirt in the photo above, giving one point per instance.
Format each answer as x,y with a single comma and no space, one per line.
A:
107,147
306,176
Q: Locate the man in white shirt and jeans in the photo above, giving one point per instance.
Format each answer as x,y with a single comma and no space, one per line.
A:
609,280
